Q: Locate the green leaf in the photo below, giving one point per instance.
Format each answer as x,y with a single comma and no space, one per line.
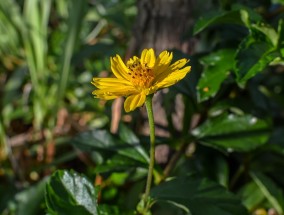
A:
129,137
254,55
77,11
199,196
95,140
8,191
217,66
29,201
233,132
281,33
268,31
13,85
69,193
223,17
107,210
239,15
119,163
118,153
251,196
272,192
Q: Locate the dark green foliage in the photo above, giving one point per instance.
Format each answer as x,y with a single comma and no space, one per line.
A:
70,193
228,142
199,196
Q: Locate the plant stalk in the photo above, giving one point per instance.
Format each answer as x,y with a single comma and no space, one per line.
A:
149,108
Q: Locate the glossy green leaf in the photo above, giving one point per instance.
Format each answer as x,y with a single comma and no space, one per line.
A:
217,67
268,31
254,55
272,192
198,196
67,192
233,132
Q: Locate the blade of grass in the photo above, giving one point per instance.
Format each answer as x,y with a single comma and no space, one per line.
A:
36,14
9,20
76,15
3,144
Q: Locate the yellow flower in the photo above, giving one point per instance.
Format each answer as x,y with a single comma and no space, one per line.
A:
140,77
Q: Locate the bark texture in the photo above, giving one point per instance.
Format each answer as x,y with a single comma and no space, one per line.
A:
161,24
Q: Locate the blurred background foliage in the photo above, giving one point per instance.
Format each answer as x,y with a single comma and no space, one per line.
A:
225,155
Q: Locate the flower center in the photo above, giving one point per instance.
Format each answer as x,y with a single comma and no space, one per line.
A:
140,75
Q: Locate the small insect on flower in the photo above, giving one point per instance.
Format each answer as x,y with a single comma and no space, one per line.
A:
140,77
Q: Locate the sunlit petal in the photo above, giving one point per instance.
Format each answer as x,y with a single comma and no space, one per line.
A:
148,57
114,92
102,83
134,101
132,60
163,62
173,78
179,64
169,70
118,68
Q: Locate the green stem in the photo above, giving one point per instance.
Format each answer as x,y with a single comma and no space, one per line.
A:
149,108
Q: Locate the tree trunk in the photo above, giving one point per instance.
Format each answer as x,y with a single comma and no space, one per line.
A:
161,24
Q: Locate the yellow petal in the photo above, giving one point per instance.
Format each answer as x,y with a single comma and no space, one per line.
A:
160,77
173,78
165,57
148,57
114,92
103,83
106,97
179,64
163,62
134,101
118,68
132,60
172,68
